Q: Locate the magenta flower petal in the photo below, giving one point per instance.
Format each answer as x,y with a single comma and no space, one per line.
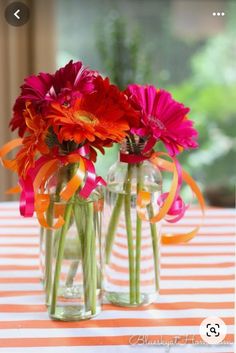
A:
74,77
35,90
163,118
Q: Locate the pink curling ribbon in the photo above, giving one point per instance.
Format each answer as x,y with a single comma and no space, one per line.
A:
177,209
92,181
83,151
27,194
27,197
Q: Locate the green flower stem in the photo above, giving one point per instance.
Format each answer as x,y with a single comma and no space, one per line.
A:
138,238
75,264
42,261
154,235
84,218
49,251
90,260
93,292
98,227
113,225
128,222
72,273
86,277
80,217
61,246
49,243
58,190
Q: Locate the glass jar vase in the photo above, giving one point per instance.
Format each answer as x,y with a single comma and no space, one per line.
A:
132,245
71,256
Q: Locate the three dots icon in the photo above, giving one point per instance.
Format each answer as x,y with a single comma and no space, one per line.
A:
218,13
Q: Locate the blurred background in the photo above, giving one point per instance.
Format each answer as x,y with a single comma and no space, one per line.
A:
178,45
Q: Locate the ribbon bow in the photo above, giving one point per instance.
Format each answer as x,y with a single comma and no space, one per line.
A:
172,206
32,187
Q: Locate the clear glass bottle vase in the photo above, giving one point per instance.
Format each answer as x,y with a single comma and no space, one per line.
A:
132,245
71,256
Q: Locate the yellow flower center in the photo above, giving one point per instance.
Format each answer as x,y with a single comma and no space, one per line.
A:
85,117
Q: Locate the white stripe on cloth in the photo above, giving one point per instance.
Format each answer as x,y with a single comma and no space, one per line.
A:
19,240
104,331
125,349
198,298
18,250
127,314
164,272
218,229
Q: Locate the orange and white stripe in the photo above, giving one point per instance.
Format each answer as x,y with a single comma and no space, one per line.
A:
197,280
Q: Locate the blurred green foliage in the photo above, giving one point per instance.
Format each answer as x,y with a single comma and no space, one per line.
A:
211,94
121,52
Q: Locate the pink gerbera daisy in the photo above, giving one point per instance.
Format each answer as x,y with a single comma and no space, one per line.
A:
162,118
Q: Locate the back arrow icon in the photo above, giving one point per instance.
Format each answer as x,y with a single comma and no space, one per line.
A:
16,14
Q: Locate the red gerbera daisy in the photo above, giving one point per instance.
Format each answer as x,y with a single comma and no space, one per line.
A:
101,117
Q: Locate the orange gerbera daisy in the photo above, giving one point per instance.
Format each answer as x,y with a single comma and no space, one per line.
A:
34,142
101,117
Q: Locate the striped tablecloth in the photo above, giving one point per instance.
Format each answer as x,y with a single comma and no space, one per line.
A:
197,281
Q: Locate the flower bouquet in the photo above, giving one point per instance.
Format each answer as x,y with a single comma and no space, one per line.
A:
62,120
135,199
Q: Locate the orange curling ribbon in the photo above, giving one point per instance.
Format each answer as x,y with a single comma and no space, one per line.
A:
32,187
75,182
10,164
8,147
45,172
144,198
42,202
14,190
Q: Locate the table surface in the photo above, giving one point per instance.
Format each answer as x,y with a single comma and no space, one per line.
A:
197,281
